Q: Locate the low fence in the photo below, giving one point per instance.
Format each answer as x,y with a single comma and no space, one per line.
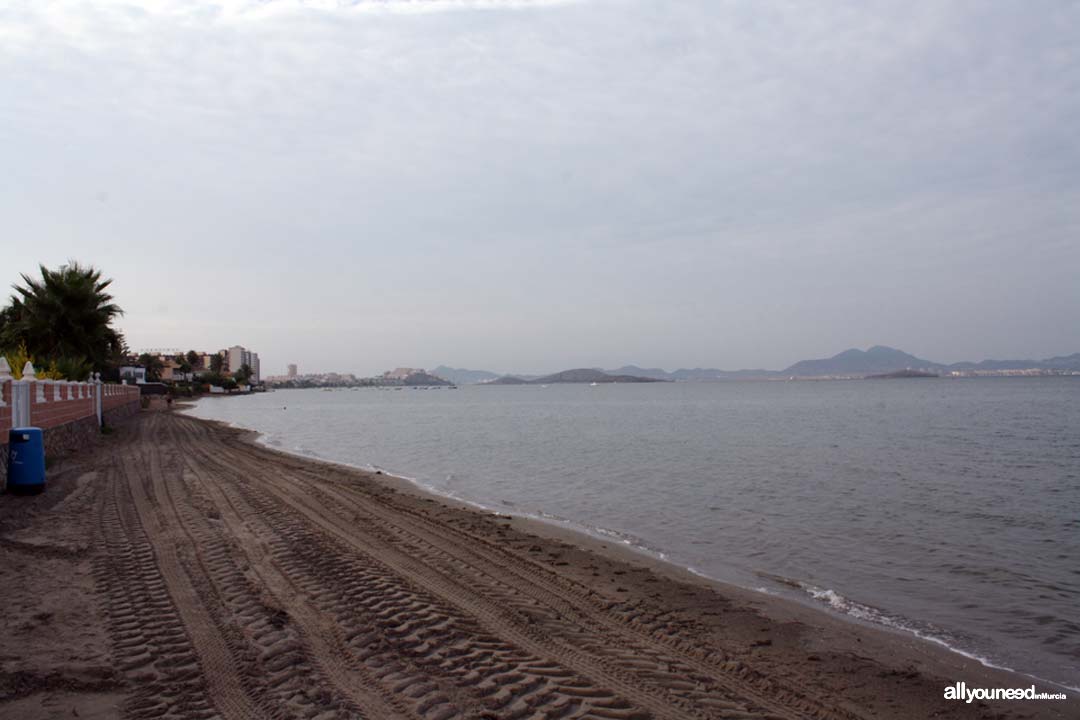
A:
71,413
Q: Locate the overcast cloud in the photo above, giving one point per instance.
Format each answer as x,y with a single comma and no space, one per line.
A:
532,186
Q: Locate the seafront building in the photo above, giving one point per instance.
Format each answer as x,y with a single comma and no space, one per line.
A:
171,371
238,356
292,371
132,374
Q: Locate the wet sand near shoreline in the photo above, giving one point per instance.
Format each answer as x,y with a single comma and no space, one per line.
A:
178,570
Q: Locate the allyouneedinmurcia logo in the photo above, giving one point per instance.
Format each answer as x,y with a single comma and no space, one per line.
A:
960,691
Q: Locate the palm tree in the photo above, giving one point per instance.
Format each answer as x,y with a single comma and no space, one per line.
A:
9,330
67,314
243,374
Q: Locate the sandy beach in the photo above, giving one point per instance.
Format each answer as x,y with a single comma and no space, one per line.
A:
179,570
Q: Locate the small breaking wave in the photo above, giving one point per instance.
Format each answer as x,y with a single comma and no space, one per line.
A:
876,616
861,611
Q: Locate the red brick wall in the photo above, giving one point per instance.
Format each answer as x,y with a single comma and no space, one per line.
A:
118,395
76,401
68,408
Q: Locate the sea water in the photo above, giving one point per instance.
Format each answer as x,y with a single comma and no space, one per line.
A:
947,508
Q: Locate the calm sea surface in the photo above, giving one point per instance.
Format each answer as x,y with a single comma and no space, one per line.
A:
947,508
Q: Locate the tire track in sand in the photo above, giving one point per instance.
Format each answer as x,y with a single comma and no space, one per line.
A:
415,640
501,621
272,660
151,647
221,678
628,634
327,649
524,583
691,679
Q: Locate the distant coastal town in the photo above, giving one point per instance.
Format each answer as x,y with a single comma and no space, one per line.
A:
232,369
236,370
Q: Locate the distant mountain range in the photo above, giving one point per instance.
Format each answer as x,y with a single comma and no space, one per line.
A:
1061,362
579,375
881,359
876,360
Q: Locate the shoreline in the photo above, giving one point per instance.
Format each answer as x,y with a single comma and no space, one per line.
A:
929,652
619,546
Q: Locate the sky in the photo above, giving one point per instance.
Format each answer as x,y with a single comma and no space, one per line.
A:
530,186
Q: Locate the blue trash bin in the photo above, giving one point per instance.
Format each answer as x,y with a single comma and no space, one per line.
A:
26,460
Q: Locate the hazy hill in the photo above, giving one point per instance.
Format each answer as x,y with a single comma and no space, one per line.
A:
590,375
508,380
425,379
461,376
654,373
1061,362
1064,362
878,359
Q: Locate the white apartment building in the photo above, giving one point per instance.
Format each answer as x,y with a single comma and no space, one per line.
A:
239,356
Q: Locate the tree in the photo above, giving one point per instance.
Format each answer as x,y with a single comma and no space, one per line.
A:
66,316
193,359
217,363
119,357
243,374
153,366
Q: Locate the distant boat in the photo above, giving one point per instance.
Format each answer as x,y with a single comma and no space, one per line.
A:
593,384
